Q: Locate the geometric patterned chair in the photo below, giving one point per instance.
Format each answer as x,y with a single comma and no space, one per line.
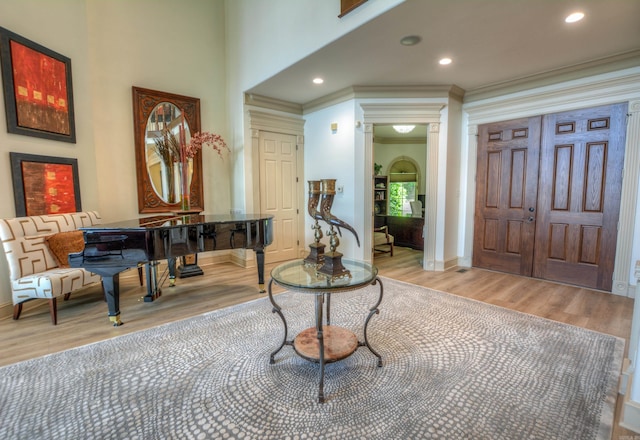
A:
36,248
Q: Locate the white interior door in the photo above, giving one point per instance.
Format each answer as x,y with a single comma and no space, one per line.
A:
278,175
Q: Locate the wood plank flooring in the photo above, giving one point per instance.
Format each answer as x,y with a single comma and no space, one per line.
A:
83,319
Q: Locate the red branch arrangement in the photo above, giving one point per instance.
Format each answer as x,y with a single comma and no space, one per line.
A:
200,139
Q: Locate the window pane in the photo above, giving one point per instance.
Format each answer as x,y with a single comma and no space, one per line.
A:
400,196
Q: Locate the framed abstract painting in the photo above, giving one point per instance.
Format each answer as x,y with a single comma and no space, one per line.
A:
45,184
38,92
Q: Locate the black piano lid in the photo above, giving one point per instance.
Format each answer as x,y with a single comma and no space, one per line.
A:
164,221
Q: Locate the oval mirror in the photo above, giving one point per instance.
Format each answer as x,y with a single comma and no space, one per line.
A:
157,117
162,150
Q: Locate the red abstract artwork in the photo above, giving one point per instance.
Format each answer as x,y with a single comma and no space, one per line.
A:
40,88
48,188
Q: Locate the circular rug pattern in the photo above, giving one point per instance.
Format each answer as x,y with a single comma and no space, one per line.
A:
452,368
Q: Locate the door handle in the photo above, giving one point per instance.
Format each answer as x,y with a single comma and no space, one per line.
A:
530,219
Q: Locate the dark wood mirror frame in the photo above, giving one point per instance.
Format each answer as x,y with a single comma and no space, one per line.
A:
144,101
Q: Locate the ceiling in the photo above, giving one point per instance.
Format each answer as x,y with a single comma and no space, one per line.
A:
491,43
385,134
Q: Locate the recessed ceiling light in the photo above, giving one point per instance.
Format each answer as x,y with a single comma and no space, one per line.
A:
404,128
576,16
318,80
410,40
445,61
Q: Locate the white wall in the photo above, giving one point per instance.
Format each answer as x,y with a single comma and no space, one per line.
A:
270,35
263,40
329,155
114,45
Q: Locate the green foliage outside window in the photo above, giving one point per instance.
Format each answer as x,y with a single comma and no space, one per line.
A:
400,196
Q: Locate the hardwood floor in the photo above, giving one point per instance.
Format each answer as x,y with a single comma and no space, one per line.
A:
83,319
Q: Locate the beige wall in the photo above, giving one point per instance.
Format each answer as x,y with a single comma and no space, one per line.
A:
165,45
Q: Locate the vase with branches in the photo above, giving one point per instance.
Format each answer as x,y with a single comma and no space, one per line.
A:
174,150
167,148
189,150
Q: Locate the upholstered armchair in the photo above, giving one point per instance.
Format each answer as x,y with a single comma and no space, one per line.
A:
382,240
36,248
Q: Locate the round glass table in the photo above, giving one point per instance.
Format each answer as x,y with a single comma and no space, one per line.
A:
324,343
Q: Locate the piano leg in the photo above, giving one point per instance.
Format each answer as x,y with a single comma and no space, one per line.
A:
260,263
111,286
171,263
153,291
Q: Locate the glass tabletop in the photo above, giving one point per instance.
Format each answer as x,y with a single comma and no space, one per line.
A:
295,275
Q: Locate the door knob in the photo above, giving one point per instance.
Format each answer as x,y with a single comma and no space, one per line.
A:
531,209
530,219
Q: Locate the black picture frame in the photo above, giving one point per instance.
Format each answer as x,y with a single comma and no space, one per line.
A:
27,188
43,106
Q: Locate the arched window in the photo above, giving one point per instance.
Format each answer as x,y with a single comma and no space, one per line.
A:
403,186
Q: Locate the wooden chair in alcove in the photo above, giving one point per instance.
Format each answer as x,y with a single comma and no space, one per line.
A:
382,240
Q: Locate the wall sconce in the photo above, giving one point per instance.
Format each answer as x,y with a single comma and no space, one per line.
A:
334,127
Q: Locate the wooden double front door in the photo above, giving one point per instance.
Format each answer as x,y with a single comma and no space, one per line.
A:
548,195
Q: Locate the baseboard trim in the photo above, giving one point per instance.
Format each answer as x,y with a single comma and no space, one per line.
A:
630,417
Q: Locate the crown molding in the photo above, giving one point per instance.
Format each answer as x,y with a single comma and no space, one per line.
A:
410,91
608,64
407,113
378,92
259,120
561,96
272,103
400,141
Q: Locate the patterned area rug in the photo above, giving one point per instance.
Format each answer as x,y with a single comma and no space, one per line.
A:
453,368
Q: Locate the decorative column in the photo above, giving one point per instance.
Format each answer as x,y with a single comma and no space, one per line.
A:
431,211
471,165
630,387
622,268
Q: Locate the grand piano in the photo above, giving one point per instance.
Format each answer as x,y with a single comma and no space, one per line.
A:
114,247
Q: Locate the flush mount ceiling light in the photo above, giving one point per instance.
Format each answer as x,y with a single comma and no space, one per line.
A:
318,80
445,61
410,40
576,16
403,128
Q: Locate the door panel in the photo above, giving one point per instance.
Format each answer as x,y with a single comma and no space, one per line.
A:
579,183
278,165
581,157
506,195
